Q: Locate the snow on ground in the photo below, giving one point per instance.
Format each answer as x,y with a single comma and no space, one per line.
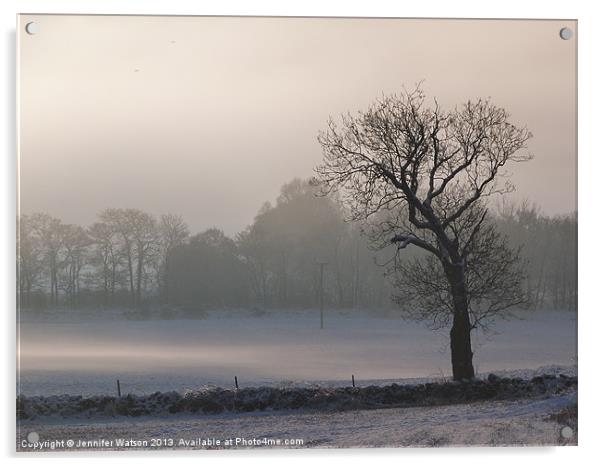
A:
524,422
84,356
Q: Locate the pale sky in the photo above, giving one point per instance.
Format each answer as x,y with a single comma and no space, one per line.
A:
208,117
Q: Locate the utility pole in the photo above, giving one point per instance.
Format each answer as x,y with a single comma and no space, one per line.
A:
322,264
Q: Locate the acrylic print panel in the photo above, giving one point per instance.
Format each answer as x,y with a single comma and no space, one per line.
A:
250,232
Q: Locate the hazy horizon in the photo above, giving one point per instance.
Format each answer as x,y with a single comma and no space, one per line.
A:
209,117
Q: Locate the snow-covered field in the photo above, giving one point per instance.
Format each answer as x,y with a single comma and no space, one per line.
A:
85,357
523,422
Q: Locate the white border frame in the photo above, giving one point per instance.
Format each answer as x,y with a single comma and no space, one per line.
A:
590,170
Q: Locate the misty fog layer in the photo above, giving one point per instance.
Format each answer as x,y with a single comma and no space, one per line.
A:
83,357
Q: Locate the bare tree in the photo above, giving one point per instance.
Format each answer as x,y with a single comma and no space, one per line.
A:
29,260
106,258
494,275
75,243
173,232
255,254
144,230
137,232
49,233
418,175
117,223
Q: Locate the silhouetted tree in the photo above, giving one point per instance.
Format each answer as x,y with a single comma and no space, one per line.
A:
173,232
106,259
138,236
29,260
207,272
426,173
49,235
283,246
255,253
75,245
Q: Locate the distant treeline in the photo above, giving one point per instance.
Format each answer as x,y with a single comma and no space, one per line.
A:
129,258
549,245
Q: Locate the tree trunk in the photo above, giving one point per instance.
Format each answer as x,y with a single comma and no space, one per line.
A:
460,344
461,348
